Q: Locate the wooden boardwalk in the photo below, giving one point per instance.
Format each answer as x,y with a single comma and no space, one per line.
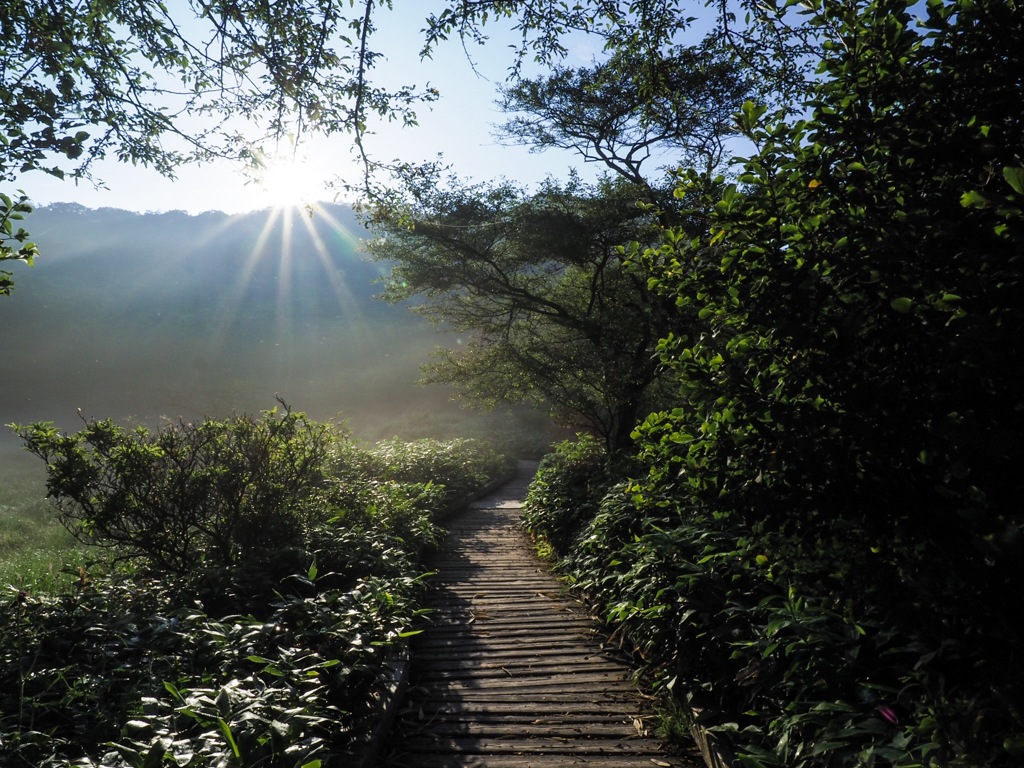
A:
508,671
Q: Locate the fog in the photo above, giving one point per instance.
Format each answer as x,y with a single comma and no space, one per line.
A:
140,317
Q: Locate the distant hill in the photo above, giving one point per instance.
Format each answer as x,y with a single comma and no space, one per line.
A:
138,316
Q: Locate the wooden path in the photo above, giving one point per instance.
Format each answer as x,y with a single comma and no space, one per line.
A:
508,671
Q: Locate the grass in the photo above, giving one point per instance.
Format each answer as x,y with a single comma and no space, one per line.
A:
37,555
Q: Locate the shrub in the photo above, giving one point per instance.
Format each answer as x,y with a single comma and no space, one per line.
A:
460,466
805,653
209,492
565,492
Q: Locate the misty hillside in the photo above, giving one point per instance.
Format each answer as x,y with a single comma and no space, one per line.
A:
137,316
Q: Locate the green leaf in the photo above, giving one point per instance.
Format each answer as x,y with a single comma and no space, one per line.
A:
1014,745
973,199
172,689
902,304
154,757
1015,178
226,730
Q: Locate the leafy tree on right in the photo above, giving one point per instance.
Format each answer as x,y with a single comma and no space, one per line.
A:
852,406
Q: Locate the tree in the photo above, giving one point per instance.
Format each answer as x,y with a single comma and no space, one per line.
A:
538,285
853,405
617,113
14,242
161,84
552,311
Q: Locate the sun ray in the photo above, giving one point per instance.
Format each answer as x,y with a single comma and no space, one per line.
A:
335,275
290,304
284,320
231,303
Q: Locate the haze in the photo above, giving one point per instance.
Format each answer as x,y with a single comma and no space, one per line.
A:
142,316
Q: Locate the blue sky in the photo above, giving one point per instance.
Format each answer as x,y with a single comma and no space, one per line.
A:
458,125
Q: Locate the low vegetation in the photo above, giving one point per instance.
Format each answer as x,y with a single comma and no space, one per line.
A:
247,581
796,649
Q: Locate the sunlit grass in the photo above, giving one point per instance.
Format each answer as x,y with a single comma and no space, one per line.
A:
37,555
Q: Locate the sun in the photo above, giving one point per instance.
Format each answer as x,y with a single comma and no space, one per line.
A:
287,182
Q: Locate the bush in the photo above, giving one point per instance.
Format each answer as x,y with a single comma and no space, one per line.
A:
211,492
565,492
459,466
803,656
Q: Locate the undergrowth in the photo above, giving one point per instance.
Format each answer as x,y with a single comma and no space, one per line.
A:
227,646
797,650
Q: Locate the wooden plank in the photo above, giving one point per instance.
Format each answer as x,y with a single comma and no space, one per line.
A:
526,745
531,761
517,654
624,698
497,620
508,670
519,715
539,730
558,671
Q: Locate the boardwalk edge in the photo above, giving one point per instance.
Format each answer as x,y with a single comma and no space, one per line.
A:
390,696
715,754
393,684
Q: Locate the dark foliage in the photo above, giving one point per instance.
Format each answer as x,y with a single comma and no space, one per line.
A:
822,554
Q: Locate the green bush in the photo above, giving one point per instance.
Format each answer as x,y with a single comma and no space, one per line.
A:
459,466
801,656
210,492
565,491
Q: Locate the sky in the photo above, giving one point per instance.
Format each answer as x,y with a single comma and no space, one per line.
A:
459,125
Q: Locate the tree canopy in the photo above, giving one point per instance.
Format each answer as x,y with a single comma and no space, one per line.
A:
537,289
80,81
678,106
161,84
